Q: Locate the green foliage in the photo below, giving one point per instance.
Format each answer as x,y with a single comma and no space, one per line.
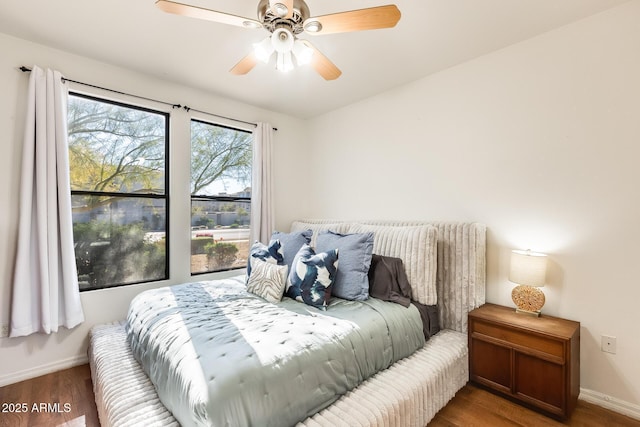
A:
200,221
198,244
115,148
221,255
154,259
111,254
218,153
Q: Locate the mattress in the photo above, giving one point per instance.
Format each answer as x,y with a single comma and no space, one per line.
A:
409,393
218,355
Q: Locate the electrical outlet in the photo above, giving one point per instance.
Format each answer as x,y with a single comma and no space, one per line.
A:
4,331
608,344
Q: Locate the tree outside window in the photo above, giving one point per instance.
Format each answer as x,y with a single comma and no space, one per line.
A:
118,169
220,197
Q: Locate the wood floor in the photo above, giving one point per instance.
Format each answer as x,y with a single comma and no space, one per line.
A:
472,406
63,398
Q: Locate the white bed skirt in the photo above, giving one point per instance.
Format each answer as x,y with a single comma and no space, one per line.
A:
409,393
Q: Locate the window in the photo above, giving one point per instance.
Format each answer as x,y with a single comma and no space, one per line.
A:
118,167
220,197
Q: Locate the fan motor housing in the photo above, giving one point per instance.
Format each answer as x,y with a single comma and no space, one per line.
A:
271,21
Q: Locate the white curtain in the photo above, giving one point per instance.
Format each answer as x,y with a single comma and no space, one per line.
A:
262,212
45,284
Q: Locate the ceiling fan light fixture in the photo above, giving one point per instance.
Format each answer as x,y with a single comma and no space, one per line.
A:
263,50
282,40
253,25
302,52
280,10
284,62
312,26
286,20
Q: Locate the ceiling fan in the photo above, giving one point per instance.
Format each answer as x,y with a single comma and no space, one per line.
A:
286,20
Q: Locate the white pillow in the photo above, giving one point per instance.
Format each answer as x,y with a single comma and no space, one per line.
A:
267,280
416,246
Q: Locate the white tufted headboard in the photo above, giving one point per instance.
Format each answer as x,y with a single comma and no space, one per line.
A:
461,264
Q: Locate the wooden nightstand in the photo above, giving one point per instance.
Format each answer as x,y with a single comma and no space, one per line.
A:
535,360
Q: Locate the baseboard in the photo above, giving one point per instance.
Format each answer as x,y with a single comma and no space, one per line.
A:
608,402
37,371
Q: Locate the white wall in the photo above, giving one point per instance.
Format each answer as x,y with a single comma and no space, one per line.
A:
22,358
541,142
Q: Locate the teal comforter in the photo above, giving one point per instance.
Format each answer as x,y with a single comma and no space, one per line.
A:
220,356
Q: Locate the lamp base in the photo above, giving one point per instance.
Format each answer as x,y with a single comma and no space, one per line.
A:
528,299
528,313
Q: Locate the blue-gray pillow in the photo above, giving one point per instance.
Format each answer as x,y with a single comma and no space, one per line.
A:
291,243
352,278
272,254
311,277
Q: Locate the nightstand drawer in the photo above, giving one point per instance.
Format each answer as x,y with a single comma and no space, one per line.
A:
523,339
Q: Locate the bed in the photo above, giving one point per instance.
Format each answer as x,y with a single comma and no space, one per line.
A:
445,263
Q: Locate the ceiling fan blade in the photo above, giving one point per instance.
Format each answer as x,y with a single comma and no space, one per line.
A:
276,5
355,20
245,65
208,14
322,64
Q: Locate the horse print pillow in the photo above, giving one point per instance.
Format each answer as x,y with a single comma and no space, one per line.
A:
311,276
272,254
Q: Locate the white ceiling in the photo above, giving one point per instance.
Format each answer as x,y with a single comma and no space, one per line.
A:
432,35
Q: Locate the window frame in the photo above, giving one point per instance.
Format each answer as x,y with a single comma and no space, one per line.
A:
124,195
205,198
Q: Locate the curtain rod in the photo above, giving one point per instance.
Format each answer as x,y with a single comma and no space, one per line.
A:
172,105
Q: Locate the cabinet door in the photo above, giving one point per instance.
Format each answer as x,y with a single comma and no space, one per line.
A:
491,364
540,382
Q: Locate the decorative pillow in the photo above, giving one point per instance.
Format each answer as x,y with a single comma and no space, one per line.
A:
291,243
352,282
267,280
317,227
271,254
312,276
416,246
388,280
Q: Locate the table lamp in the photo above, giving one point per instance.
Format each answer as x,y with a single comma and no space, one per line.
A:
528,270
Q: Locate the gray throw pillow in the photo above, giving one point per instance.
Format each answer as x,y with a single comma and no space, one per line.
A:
291,243
352,281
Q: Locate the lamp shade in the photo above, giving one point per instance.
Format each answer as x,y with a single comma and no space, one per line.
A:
263,50
302,52
528,268
283,62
